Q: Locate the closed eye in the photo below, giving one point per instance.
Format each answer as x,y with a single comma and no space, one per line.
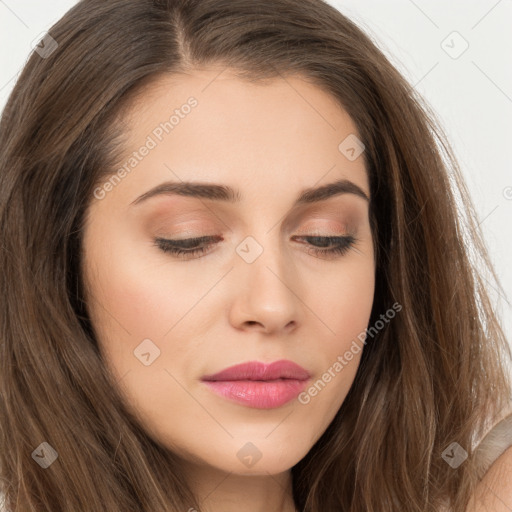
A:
190,248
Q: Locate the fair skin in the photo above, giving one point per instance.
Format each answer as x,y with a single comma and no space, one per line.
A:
494,491
214,310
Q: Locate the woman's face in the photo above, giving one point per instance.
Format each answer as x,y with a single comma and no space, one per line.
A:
261,291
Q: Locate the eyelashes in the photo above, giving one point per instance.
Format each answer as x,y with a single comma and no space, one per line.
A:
186,247
190,248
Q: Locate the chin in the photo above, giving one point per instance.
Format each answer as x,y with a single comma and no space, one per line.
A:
258,458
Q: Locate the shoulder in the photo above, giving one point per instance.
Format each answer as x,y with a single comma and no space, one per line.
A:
497,440
494,491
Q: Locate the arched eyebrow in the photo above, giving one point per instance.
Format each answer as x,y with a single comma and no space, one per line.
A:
219,192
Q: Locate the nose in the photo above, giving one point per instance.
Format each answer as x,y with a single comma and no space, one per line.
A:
267,294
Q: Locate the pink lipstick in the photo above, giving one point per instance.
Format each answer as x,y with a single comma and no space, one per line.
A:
259,385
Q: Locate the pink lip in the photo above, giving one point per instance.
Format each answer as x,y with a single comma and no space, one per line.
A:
259,385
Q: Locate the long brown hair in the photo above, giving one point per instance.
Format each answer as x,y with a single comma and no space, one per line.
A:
431,377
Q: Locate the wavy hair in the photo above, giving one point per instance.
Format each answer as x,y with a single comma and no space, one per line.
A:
434,375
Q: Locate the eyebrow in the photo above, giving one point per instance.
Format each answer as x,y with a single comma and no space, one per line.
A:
217,192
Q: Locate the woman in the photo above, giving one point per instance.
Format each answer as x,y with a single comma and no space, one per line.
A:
234,274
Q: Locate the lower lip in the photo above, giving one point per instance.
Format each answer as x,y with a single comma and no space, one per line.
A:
258,394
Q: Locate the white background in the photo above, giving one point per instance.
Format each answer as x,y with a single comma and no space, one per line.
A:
471,94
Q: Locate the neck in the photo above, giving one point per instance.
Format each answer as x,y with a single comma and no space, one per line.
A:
219,491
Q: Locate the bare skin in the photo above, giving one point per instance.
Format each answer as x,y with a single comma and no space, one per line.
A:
216,309
494,491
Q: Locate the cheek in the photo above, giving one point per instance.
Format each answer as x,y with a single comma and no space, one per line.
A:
345,302
126,298
131,288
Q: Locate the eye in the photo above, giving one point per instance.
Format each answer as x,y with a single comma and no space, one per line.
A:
337,245
188,247
330,246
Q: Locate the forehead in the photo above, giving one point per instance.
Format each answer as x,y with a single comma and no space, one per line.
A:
283,133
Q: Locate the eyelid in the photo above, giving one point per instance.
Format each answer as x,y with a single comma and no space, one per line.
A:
323,233
328,216
331,229
344,244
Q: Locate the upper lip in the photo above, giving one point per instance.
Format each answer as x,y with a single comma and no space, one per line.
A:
255,370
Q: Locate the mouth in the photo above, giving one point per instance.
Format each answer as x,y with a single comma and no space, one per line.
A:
259,385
